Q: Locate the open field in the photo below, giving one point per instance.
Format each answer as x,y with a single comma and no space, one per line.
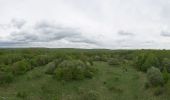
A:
109,79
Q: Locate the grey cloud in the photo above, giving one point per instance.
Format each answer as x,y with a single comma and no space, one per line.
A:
48,32
12,43
165,34
18,23
129,43
124,33
149,42
81,39
24,36
2,26
56,32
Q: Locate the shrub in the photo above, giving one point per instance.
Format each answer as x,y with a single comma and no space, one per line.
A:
104,58
10,58
166,64
113,61
165,75
88,94
97,58
145,61
139,60
50,68
20,67
91,95
147,85
91,62
73,70
78,73
22,95
4,68
89,72
32,63
159,91
115,89
41,60
151,60
155,77
5,77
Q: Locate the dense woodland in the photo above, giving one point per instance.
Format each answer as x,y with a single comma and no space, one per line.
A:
84,74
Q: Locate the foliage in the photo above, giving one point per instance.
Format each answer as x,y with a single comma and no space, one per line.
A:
6,77
42,60
22,95
155,77
78,64
139,61
88,94
113,61
165,75
145,61
159,91
20,67
4,68
73,70
166,64
50,68
10,59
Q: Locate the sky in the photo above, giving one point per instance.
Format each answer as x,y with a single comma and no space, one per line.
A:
110,24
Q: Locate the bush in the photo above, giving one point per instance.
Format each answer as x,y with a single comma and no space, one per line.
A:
165,75
10,58
159,91
166,64
4,68
151,60
20,67
73,70
97,58
6,77
155,77
115,89
50,68
88,94
147,85
145,61
139,61
41,60
113,61
91,62
89,72
22,95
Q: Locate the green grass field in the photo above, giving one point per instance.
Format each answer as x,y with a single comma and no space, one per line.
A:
110,83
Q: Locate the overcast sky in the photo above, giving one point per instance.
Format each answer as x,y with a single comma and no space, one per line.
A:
111,24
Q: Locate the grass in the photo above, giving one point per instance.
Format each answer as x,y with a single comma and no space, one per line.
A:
110,83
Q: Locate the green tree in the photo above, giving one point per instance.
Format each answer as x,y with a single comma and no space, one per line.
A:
155,77
166,64
20,67
151,60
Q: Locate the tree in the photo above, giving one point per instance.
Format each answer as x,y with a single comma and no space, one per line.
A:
165,75
139,61
73,70
20,67
155,77
166,64
151,60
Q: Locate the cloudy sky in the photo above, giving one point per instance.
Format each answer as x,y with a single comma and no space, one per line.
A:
112,24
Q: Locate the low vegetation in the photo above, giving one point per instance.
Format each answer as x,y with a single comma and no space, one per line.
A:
79,74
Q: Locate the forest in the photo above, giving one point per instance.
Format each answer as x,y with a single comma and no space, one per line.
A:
84,74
